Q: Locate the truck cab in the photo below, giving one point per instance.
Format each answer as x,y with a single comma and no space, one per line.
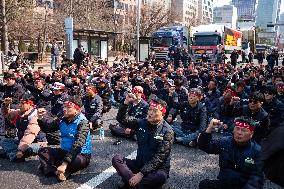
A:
169,39
206,42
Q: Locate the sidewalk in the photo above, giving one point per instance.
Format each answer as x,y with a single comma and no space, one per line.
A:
47,66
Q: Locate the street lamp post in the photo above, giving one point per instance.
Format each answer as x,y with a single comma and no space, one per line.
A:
138,30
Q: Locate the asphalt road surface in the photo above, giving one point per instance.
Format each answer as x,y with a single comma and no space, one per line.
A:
188,167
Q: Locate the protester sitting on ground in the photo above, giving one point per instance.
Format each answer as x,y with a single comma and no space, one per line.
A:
11,89
56,98
137,109
155,138
93,105
255,111
75,148
193,119
274,108
239,156
29,137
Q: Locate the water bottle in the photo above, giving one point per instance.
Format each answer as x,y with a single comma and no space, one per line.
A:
102,133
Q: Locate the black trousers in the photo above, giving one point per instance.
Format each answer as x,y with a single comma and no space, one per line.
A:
126,168
119,131
51,158
215,184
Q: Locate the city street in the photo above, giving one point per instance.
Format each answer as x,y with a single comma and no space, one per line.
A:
188,167
166,60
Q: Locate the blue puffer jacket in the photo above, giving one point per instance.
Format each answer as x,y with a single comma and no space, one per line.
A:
69,131
239,165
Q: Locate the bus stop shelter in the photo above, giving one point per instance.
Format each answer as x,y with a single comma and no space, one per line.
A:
94,42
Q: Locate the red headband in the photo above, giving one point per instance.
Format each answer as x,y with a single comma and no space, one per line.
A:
233,93
73,105
93,88
195,93
136,90
30,102
244,125
158,106
39,81
59,86
280,87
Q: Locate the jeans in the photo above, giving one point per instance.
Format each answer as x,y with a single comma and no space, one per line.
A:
54,60
10,146
185,135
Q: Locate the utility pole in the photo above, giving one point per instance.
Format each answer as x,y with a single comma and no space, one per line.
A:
138,30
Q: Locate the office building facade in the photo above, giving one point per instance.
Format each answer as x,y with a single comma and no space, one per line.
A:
226,15
246,9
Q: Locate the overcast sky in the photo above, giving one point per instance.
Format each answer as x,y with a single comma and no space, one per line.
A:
226,2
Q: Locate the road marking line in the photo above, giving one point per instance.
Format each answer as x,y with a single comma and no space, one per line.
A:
99,179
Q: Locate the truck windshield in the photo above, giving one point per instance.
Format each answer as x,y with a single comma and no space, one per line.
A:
209,40
162,42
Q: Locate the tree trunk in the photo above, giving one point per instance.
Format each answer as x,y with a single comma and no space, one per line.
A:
4,44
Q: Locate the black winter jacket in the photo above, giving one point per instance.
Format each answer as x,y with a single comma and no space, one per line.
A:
275,110
193,119
154,142
239,165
